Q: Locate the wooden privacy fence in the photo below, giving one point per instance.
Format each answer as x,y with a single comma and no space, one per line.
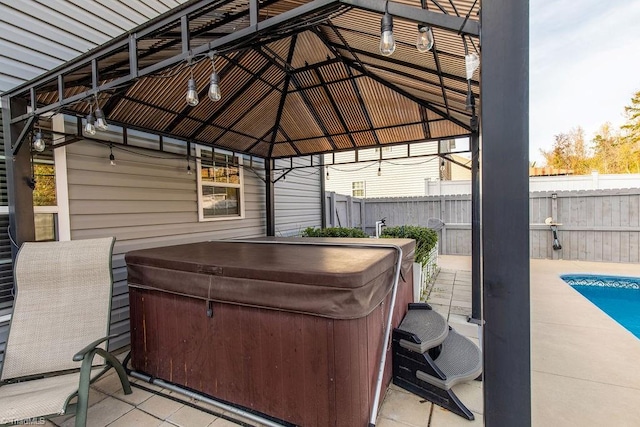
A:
598,225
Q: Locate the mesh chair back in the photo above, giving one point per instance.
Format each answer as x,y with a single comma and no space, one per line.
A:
63,303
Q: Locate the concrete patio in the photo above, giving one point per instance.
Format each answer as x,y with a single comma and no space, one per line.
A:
585,366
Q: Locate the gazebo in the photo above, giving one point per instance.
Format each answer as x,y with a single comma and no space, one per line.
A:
285,79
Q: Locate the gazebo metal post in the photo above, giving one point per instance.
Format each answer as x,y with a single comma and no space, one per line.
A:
18,164
476,255
270,205
505,212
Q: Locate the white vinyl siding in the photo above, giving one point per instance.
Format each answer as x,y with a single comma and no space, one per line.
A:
38,35
398,176
144,202
298,197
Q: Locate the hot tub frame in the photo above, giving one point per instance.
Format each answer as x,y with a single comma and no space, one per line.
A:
302,369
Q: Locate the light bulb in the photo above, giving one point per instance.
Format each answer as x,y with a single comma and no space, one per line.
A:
379,171
387,42
425,38
90,128
38,143
327,174
471,63
188,169
112,158
101,122
192,93
214,87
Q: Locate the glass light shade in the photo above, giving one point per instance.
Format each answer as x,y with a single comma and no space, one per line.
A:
89,127
471,62
387,43
38,143
101,122
214,87
192,93
425,38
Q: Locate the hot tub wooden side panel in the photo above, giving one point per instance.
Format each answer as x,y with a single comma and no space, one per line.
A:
308,370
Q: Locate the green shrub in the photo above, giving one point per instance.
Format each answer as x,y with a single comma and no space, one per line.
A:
333,232
426,239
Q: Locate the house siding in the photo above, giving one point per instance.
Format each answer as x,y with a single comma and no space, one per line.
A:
298,198
148,202
398,176
145,202
37,36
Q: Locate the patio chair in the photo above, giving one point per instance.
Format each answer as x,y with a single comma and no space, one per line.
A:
60,322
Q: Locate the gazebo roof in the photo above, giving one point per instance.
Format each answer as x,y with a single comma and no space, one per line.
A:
297,77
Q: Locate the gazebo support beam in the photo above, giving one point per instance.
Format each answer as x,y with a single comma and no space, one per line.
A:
270,205
18,164
505,213
412,13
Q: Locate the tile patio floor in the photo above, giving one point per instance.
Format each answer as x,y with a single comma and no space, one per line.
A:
585,367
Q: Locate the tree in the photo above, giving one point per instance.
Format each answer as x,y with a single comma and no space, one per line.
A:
45,192
606,147
630,143
569,152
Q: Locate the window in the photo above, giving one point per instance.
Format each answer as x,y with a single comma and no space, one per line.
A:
45,203
358,189
220,186
384,149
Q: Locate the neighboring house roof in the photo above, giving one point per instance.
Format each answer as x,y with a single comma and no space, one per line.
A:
549,171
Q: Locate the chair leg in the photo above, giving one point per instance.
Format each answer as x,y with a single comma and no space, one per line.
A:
83,390
124,379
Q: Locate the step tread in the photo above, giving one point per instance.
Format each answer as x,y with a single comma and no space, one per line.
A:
460,360
428,326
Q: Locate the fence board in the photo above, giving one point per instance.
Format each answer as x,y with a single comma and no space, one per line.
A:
598,225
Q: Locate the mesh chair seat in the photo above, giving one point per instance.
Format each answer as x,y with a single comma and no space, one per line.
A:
45,397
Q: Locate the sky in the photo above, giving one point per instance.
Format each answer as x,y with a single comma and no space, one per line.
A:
584,66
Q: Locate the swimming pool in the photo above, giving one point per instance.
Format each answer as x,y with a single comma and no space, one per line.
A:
618,296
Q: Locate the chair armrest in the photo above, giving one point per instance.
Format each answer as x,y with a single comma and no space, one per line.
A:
82,353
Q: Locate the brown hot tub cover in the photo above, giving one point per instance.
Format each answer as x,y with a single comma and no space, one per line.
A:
330,281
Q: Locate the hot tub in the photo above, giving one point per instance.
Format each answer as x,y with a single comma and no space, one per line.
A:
287,330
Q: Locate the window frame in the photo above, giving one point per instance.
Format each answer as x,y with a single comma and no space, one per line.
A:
363,189
201,183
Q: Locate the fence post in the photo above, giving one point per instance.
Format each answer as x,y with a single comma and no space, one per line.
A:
443,247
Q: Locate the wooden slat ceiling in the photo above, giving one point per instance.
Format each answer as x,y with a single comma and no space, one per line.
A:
315,86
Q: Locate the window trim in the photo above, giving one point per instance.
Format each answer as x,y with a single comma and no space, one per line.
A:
201,217
363,189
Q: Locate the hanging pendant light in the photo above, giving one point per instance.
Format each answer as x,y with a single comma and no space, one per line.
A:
192,90
192,93
90,127
38,143
471,63
101,122
387,41
425,38
214,83
112,158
